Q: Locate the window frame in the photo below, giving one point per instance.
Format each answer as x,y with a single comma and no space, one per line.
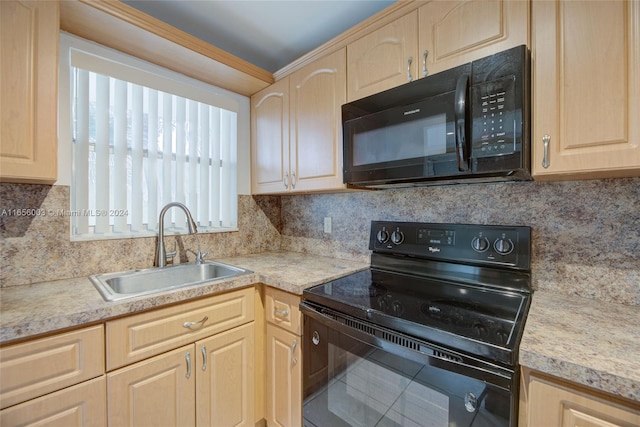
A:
190,87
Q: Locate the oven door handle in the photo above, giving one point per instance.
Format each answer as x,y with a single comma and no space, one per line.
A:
323,316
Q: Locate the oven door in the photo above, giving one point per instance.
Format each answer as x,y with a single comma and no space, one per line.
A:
352,378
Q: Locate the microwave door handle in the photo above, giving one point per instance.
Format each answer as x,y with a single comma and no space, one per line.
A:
460,113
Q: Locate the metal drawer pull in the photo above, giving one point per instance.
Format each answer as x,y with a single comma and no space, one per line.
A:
199,323
425,72
293,350
204,358
285,181
293,180
280,313
545,158
409,76
188,357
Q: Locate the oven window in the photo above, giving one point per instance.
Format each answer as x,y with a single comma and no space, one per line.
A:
351,383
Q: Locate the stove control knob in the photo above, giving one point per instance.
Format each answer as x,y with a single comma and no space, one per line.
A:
397,237
502,336
480,329
397,308
480,244
383,236
503,246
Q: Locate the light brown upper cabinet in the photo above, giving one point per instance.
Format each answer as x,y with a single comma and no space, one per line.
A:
296,135
586,89
453,33
270,138
384,58
28,91
440,35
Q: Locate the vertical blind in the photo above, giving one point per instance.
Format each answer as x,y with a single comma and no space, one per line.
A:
137,148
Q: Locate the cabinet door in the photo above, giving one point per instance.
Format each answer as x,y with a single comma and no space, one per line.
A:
552,404
40,366
317,94
270,139
156,392
381,60
284,378
586,88
28,91
83,405
456,32
224,387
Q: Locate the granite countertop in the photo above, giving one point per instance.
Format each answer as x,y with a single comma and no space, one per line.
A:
589,342
585,341
39,308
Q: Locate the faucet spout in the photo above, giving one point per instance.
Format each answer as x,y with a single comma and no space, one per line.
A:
161,254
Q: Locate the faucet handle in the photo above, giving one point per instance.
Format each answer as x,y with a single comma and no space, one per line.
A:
173,253
200,257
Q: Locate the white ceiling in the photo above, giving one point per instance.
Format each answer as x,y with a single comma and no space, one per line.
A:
267,33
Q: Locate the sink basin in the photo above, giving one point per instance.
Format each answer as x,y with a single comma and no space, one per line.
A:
129,284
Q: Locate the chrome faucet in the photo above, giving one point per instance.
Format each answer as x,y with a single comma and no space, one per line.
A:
161,254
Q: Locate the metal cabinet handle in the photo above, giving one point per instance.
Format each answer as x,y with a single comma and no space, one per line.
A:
281,313
545,158
204,358
294,361
425,72
409,76
285,181
293,180
188,357
199,323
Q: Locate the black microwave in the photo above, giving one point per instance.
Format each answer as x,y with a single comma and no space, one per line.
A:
466,124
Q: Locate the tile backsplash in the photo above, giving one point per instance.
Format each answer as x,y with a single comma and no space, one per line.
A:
37,248
586,234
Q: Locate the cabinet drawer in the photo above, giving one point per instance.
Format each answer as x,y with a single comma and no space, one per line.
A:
41,366
140,336
282,310
83,405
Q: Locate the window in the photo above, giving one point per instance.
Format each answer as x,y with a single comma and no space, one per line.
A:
142,139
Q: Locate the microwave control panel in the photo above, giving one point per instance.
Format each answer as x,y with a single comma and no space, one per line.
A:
493,129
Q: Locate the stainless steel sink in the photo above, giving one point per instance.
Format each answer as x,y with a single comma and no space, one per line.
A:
129,284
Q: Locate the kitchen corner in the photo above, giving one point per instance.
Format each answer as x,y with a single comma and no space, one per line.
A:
297,222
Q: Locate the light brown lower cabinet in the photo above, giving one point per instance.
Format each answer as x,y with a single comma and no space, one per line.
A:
80,405
548,402
198,368
284,378
225,378
54,381
208,383
284,359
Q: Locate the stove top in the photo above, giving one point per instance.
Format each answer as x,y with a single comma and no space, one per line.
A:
477,305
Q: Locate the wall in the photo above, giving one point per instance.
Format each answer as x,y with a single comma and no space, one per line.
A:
586,234
37,248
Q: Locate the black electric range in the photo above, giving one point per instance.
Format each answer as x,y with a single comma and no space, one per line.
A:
466,287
